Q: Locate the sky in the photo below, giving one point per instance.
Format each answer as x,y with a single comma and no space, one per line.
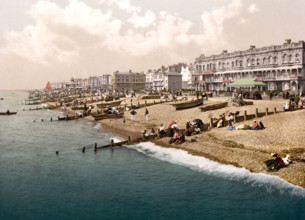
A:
54,40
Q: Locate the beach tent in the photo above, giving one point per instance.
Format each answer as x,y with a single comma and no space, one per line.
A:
246,83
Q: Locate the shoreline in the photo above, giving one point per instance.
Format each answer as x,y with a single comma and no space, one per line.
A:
227,147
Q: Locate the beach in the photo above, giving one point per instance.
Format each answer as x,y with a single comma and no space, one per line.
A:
247,149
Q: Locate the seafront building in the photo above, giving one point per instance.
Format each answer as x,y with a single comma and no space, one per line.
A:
281,67
127,81
187,72
169,78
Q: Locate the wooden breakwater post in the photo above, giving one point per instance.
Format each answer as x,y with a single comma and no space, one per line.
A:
256,113
111,143
245,116
129,140
143,137
145,103
158,134
211,122
274,110
154,102
95,146
84,149
234,118
266,111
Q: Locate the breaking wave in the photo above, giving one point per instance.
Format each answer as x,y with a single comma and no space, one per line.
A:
232,173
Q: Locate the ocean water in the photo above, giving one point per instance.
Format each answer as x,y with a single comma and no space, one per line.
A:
143,181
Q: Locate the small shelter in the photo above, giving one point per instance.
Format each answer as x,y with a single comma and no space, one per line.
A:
250,86
246,83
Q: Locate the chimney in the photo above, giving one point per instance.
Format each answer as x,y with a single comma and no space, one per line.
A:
252,47
287,41
202,55
224,52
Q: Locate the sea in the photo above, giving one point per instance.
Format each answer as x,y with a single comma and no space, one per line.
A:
142,181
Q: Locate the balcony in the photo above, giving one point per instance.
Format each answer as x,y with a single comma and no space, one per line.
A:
199,81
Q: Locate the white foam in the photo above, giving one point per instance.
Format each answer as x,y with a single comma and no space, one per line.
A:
116,139
97,126
181,157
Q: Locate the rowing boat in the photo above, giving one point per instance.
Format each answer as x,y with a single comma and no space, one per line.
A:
213,106
109,104
189,104
108,116
8,113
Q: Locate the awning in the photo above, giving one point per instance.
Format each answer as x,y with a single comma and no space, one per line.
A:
246,83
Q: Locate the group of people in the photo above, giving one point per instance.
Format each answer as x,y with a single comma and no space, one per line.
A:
192,129
292,104
255,126
133,114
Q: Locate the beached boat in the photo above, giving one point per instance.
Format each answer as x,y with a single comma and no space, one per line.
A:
213,106
66,117
81,107
108,116
8,113
151,97
33,103
109,104
188,104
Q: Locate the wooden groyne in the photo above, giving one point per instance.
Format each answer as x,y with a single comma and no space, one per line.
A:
204,127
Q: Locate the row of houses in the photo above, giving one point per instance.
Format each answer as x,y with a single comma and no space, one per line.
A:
281,67
171,78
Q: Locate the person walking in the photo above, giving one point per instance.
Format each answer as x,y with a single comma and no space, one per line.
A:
146,114
124,120
133,113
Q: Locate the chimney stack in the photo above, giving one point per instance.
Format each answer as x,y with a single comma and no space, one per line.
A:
252,47
224,52
287,41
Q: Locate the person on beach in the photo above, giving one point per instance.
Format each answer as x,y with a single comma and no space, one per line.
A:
261,125
146,114
124,120
133,113
275,164
162,131
230,128
152,131
255,126
174,126
296,100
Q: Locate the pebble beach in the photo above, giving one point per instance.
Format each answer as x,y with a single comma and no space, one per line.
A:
247,149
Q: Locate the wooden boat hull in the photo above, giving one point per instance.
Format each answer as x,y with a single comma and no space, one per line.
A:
64,118
189,104
108,116
213,106
5,113
151,97
110,104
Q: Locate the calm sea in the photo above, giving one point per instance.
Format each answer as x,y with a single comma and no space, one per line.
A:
136,182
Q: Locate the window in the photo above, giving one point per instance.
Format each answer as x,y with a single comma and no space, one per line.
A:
248,62
275,60
285,58
289,58
264,61
297,58
252,62
270,59
232,64
257,62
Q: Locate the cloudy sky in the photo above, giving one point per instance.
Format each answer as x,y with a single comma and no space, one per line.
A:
54,40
